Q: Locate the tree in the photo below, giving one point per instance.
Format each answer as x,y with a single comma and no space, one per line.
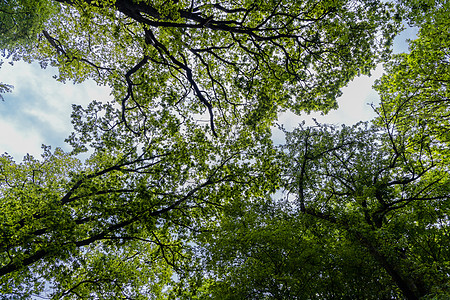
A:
120,225
160,187
370,202
415,91
390,201
240,63
4,88
267,250
21,21
363,218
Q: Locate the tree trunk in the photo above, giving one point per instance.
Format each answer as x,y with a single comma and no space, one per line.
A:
411,289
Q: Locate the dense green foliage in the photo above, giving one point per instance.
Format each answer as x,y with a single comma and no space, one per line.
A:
184,195
115,224
416,91
21,21
236,63
360,216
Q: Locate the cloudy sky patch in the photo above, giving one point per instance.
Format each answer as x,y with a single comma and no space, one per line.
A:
38,110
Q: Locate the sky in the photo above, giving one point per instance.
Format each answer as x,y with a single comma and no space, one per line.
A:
38,110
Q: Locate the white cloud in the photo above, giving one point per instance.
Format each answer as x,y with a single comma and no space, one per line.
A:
354,106
18,143
38,110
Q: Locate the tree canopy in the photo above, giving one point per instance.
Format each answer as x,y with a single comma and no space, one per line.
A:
416,89
363,217
238,62
184,195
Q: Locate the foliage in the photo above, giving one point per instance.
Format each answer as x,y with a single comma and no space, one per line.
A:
391,202
119,224
366,201
21,21
415,90
238,62
265,250
4,88
361,219
168,207
417,12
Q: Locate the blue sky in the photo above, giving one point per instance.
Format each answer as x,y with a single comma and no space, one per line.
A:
38,110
